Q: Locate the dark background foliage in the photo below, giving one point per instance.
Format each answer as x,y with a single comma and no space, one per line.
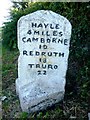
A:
78,75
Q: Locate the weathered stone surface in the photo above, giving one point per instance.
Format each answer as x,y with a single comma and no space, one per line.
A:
43,42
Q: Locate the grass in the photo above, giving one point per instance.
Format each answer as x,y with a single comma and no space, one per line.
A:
68,109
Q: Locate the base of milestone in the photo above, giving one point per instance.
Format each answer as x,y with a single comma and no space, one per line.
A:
32,100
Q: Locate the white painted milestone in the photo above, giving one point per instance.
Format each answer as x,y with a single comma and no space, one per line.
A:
43,42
